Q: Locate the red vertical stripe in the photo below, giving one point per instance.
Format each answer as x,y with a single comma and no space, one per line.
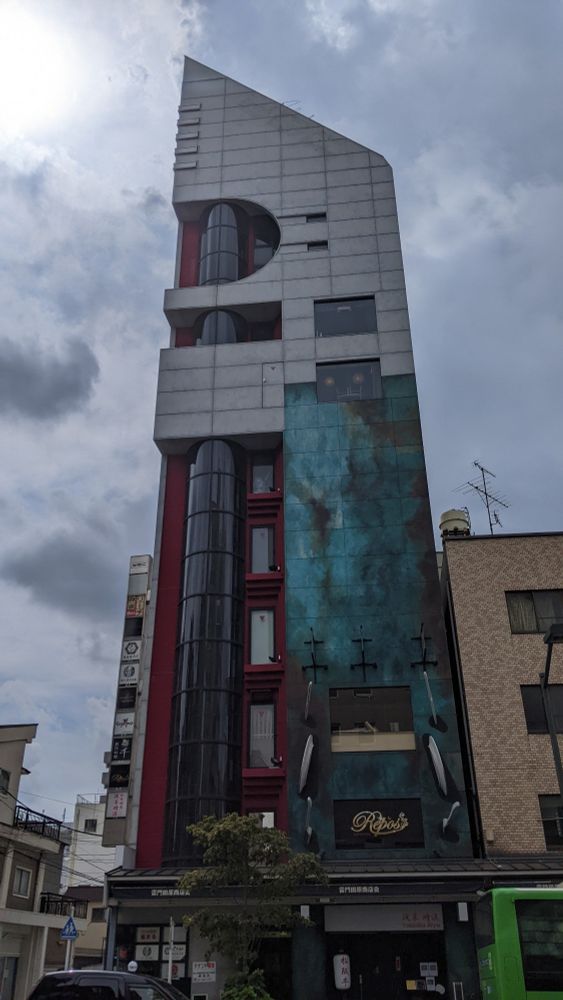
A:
155,761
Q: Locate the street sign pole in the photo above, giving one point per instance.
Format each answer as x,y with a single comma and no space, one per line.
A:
170,947
69,946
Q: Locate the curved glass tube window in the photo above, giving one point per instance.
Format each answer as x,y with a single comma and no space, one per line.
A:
266,240
206,725
221,326
222,255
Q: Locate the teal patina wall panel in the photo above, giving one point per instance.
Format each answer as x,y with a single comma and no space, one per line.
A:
360,552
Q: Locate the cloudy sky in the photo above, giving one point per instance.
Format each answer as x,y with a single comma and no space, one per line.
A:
462,96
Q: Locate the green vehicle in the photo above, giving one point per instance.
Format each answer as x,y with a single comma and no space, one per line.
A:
519,936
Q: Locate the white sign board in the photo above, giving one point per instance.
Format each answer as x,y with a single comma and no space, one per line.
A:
139,564
147,935
116,805
131,650
146,953
178,952
128,674
124,724
204,972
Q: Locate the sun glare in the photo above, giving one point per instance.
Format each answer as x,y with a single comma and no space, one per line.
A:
36,84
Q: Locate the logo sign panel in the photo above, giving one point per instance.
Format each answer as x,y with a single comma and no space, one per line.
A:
131,650
147,935
124,724
146,953
128,674
204,972
139,564
378,822
178,952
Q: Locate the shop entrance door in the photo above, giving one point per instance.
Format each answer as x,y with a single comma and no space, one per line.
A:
382,962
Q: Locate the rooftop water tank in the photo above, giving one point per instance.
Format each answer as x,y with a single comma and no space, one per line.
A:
454,522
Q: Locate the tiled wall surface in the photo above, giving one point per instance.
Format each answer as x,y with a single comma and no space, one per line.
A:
360,552
513,767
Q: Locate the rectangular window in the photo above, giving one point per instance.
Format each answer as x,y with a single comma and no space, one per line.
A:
383,823
316,217
262,746
343,317
267,820
262,543
534,610
551,808
318,245
364,720
262,636
90,825
98,915
536,721
539,927
349,382
263,473
4,781
22,882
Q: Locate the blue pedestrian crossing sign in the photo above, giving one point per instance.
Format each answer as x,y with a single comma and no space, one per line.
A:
69,932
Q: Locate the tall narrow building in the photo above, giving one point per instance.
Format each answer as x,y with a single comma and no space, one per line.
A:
294,661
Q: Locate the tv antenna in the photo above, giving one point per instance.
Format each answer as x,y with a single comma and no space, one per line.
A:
482,486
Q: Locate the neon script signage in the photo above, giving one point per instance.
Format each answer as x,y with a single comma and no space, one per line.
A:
377,824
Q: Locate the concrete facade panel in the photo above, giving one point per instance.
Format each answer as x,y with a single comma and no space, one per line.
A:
192,401
355,284
229,376
185,378
173,427
401,363
396,319
356,264
244,397
360,345
299,371
260,421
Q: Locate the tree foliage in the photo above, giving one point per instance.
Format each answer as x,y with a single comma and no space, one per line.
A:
255,872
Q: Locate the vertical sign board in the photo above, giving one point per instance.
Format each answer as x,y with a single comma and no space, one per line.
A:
124,721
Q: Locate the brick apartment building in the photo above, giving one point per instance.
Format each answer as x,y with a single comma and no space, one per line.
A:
502,594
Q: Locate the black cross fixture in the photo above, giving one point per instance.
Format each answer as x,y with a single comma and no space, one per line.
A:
313,665
424,660
363,664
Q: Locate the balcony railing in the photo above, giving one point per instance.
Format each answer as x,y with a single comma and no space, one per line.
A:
34,822
60,906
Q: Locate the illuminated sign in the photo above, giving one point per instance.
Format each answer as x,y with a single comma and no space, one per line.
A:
384,822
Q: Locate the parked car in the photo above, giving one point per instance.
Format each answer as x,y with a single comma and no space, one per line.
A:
103,985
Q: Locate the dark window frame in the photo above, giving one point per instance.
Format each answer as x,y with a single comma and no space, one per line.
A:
534,713
326,312
263,698
541,624
334,377
553,832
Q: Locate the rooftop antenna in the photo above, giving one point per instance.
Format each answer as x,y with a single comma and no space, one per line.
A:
482,485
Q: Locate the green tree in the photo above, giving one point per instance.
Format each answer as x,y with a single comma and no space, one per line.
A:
256,873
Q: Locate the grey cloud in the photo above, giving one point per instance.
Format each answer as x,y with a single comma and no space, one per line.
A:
36,385
70,574
152,201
